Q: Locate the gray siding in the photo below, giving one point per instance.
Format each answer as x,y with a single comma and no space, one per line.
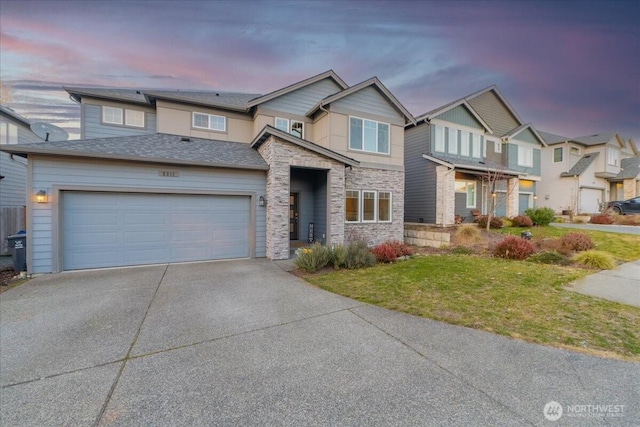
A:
92,126
368,101
13,186
462,116
48,172
527,136
510,152
494,113
300,101
420,176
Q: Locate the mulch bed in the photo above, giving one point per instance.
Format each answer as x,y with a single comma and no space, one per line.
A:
6,276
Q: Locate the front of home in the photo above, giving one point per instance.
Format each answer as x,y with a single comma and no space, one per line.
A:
168,176
470,157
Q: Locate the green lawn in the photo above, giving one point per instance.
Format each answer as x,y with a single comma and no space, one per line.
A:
513,298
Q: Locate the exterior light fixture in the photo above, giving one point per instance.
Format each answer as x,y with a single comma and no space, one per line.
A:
262,201
41,196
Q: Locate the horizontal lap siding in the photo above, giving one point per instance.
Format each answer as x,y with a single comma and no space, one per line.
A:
301,100
420,190
13,186
368,101
48,172
94,128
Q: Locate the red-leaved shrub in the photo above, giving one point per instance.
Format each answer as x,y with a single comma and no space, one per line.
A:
521,221
601,219
390,251
575,242
512,247
495,222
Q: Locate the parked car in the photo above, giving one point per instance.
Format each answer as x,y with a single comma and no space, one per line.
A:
631,206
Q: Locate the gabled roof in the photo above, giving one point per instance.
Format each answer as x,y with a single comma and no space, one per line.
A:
377,84
450,106
514,132
268,131
8,112
629,168
581,165
327,74
134,96
553,139
227,100
472,165
495,90
152,148
597,139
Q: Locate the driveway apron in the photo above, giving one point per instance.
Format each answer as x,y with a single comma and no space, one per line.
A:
245,343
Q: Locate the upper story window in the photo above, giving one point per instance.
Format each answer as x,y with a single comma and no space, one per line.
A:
453,141
120,116
294,127
525,156
209,121
574,151
8,133
465,147
476,146
557,155
439,142
368,135
613,156
497,147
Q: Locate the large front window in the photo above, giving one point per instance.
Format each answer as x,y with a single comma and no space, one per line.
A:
367,206
469,189
209,121
525,156
368,135
352,206
384,206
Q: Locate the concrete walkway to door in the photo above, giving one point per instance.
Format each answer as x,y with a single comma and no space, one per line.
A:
245,343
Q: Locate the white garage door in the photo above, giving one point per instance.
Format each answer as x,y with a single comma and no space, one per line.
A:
590,200
118,229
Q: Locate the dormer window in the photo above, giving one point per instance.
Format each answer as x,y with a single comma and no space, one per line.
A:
209,121
294,127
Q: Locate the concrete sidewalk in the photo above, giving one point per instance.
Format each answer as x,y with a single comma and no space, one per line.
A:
620,285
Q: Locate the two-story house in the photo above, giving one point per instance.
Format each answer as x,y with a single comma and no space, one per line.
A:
168,176
14,129
469,157
581,174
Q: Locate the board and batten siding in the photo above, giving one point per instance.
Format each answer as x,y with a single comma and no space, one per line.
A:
511,154
49,173
461,116
92,126
300,101
494,113
420,176
370,103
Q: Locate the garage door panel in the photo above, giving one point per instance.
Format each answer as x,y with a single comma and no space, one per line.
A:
113,229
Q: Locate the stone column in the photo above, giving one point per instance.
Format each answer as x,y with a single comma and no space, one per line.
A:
445,195
513,192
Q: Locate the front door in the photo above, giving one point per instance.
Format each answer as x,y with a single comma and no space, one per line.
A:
293,216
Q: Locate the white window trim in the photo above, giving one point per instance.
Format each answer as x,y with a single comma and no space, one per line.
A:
375,206
553,155
390,206
126,118
613,154
8,133
452,148
472,139
466,192
363,138
465,142
209,116
525,161
289,125
443,146
275,122
577,149
291,128
497,147
105,108
359,207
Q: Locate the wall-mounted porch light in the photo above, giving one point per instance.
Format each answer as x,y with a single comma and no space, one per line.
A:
41,196
262,201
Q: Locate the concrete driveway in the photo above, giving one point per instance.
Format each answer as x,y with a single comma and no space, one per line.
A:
245,343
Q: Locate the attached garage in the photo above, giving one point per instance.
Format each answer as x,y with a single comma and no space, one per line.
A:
104,229
590,199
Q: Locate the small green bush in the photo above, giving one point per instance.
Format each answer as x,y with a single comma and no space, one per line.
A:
338,256
359,255
558,220
495,222
601,219
575,242
521,221
506,222
512,247
461,250
595,259
540,216
467,234
313,258
549,257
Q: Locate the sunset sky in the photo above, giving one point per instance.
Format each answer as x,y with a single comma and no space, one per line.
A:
569,67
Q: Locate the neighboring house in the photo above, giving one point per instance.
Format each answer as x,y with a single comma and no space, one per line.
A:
472,156
166,176
14,129
582,174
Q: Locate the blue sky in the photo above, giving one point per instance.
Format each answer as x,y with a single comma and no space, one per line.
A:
569,67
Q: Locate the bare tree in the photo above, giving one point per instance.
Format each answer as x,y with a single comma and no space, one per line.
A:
493,178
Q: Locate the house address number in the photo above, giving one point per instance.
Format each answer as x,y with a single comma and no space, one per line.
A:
169,174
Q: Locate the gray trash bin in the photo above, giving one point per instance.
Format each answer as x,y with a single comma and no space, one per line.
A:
18,246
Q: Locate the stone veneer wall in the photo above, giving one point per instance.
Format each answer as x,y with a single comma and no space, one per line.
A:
359,178
281,156
513,193
630,188
445,195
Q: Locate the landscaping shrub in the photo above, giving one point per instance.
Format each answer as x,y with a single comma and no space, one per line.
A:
595,259
467,235
512,247
558,220
359,255
521,221
575,242
601,219
390,251
338,256
402,249
313,258
549,257
625,219
506,222
495,222
540,216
